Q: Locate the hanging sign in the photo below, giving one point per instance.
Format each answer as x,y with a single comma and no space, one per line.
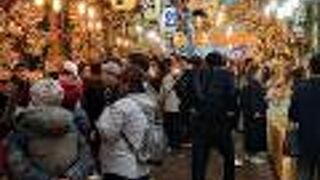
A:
151,9
169,19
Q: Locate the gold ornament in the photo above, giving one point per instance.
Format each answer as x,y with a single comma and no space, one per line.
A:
123,5
179,39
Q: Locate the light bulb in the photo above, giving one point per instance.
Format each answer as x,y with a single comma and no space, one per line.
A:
220,18
126,43
118,41
39,2
98,25
229,32
152,35
139,29
57,5
82,8
90,25
91,13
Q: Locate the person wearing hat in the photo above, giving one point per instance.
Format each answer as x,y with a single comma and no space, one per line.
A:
110,74
305,112
72,86
46,144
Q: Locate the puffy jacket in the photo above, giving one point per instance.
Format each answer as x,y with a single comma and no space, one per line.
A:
47,145
123,117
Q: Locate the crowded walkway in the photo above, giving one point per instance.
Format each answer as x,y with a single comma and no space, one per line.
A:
176,167
159,90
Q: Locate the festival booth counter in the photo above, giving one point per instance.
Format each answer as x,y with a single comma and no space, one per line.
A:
284,166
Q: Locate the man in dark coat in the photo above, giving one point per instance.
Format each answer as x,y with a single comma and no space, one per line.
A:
254,108
185,92
304,110
214,99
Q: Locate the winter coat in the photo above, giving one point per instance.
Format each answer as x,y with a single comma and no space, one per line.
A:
94,99
3,157
305,111
168,94
215,96
125,117
47,145
82,122
185,90
73,91
253,99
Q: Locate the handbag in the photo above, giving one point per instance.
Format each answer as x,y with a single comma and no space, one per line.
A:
291,145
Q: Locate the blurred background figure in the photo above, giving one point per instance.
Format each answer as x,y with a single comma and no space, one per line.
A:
305,113
170,103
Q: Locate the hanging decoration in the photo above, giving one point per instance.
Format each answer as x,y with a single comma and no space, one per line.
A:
123,5
151,9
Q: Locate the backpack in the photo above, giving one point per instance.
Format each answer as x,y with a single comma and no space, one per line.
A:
154,145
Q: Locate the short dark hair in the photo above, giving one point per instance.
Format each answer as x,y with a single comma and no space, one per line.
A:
195,61
215,59
315,64
95,68
132,78
200,13
139,60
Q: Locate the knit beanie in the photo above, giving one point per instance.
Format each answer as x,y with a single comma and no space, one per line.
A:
46,92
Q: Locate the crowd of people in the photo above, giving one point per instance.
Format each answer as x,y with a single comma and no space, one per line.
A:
92,121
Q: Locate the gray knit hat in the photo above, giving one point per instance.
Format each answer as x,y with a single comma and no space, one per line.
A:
46,92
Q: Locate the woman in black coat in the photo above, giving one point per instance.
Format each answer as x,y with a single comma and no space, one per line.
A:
254,108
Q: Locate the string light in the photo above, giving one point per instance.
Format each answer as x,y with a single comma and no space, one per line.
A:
139,29
91,25
98,25
151,35
91,13
229,32
39,2
126,43
119,41
220,18
82,8
56,5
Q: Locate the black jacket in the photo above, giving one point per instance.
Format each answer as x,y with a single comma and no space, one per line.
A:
215,97
305,111
94,99
253,99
